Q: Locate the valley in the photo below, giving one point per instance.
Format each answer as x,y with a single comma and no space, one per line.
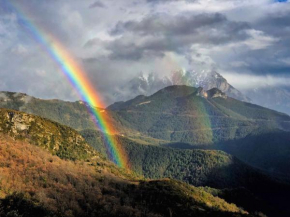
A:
36,180
177,135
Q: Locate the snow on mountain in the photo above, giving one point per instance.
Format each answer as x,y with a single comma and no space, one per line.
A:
147,85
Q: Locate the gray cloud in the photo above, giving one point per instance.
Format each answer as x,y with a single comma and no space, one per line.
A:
231,36
272,60
165,24
98,4
160,33
166,1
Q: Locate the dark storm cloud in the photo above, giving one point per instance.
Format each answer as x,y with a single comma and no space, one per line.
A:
160,33
276,24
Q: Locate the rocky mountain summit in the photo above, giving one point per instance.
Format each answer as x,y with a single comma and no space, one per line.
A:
147,85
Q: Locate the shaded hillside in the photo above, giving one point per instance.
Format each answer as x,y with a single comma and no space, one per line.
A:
206,168
37,182
266,149
269,151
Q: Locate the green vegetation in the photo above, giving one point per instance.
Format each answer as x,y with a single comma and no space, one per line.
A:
186,119
206,168
269,151
179,117
180,114
36,181
58,139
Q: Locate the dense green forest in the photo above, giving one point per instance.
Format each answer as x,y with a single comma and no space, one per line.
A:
202,168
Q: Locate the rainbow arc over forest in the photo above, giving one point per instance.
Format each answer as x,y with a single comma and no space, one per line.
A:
77,78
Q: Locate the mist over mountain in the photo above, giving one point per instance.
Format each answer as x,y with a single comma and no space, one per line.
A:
277,98
149,84
273,97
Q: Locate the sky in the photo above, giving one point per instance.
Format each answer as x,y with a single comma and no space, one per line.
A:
244,40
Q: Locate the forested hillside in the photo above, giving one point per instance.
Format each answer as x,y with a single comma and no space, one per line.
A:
37,181
178,117
204,168
190,115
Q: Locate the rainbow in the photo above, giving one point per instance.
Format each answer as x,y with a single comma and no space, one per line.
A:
78,80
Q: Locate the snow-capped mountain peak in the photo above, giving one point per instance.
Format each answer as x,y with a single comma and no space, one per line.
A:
147,85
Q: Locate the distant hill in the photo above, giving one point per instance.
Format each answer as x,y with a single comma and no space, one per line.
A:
188,114
49,170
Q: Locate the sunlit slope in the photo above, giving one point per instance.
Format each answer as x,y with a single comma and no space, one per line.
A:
38,181
72,114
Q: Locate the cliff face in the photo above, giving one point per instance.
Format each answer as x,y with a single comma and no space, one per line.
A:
216,93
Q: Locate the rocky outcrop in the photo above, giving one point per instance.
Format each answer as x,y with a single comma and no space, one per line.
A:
42,132
216,93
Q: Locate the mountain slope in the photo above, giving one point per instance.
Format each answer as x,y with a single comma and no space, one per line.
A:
37,182
180,117
72,114
191,115
188,117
